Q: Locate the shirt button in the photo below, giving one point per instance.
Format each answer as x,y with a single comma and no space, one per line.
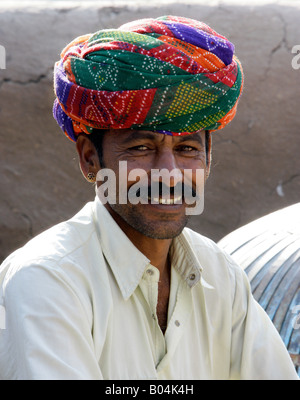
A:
150,272
177,323
192,277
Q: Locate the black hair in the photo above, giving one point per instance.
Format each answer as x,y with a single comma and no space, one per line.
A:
97,135
207,146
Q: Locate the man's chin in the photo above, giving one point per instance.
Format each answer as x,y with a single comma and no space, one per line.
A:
159,232
159,223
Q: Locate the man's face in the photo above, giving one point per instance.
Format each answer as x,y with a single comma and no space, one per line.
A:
163,217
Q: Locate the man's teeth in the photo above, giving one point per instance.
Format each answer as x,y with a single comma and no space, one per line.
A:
157,200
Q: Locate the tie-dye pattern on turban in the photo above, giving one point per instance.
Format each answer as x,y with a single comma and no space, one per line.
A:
172,75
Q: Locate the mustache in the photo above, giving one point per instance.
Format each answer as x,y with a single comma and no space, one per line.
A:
159,189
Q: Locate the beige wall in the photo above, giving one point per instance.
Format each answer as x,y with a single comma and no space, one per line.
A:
256,159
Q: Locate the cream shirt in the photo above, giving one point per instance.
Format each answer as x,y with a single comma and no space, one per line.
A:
80,303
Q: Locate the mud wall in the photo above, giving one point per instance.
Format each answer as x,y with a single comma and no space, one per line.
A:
256,162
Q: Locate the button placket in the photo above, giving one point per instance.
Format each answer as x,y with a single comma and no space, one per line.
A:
152,279
177,323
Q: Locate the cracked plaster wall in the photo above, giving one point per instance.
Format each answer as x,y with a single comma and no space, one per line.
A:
256,163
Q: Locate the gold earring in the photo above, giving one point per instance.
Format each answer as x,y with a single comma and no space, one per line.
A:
91,177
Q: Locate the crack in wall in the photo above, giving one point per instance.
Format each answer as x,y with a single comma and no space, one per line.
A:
282,44
28,82
279,189
30,224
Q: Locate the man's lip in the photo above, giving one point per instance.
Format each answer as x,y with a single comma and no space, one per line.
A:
175,207
166,201
165,204
161,198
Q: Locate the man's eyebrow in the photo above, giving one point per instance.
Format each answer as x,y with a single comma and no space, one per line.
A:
196,136
134,135
137,135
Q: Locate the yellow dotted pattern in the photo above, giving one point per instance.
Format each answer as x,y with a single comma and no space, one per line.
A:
109,35
210,120
189,99
130,102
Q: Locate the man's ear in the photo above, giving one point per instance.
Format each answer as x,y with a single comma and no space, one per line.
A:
88,156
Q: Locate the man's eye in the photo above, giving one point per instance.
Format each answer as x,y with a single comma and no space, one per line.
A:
140,148
188,148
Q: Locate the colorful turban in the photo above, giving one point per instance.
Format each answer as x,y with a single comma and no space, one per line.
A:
172,75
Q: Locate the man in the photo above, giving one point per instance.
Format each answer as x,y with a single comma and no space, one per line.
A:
123,290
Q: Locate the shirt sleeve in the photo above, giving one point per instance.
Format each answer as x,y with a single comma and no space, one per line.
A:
48,332
257,352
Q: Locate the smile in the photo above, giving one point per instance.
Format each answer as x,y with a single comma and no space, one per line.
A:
160,200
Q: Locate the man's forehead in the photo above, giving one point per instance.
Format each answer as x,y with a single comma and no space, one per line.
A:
128,135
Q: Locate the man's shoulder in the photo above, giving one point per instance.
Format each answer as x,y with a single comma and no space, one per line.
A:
55,243
210,254
198,241
219,269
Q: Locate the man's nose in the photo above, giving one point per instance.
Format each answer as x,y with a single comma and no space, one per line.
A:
166,169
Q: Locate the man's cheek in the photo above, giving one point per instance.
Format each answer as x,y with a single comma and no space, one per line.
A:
106,186
194,182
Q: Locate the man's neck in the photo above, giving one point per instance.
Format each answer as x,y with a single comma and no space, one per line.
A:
156,250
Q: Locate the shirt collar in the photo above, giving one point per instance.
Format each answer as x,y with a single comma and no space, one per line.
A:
128,264
186,261
126,261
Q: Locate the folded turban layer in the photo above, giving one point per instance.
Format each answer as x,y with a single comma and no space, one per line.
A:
172,75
